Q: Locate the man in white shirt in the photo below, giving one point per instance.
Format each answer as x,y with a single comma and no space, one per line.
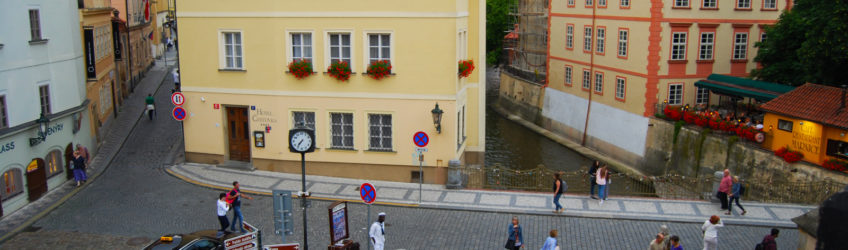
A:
378,232
176,75
223,207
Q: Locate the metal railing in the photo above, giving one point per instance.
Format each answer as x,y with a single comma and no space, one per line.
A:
668,187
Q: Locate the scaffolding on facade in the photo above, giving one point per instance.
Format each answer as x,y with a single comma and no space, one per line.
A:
525,45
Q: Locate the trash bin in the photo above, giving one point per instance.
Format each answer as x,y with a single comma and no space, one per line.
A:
716,182
455,180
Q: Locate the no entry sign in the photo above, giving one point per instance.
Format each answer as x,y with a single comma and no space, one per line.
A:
420,139
368,193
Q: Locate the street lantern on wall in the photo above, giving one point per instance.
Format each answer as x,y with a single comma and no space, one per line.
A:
437,118
42,123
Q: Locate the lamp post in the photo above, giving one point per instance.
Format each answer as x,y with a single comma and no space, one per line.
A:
42,122
437,118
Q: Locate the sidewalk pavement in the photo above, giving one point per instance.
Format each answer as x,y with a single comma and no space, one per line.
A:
117,131
437,196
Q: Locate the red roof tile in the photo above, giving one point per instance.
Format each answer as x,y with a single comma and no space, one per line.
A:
812,102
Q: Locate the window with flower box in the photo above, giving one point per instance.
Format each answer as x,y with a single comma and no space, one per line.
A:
379,47
301,46
340,48
675,94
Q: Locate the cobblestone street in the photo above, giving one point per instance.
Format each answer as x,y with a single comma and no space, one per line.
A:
134,199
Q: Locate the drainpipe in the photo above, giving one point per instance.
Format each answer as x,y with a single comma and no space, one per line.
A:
591,74
130,75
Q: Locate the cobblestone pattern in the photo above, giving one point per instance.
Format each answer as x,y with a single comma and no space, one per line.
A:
72,240
118,130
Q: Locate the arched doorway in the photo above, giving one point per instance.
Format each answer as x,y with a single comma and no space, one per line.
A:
36,179
69,156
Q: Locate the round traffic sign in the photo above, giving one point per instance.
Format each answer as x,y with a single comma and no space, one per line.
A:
179,113
420,139
178,98
368,193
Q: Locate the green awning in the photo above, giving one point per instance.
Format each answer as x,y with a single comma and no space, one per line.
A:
742,87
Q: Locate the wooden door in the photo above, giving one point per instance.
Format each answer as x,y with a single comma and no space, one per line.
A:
36,176
238,134
69,156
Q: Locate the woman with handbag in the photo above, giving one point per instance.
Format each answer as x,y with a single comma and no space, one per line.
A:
515,239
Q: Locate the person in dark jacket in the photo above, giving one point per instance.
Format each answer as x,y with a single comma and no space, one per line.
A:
516,239
79,168
592,172
769,242
734,196
559,188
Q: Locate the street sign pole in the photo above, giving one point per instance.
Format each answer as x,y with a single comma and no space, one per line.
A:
420,174
368,227
303,198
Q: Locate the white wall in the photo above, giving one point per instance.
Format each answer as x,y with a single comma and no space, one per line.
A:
617,127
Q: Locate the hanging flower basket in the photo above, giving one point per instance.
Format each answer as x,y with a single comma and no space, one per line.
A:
339,70
379,69
301,68
465,68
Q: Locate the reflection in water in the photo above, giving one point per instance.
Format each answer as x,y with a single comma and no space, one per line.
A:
511,145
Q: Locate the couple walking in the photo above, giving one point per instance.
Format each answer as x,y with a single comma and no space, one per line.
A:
730,190
599,176
79,163
229,200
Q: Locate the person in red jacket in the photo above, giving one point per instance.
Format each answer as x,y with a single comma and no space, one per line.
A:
769,242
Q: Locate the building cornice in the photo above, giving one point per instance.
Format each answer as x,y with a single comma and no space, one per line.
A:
357,95
350,14
30,124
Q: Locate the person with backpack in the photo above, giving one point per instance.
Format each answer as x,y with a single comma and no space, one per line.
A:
769,242
736,191
592,175
559,188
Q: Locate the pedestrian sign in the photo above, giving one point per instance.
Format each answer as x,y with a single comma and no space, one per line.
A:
177,98
420,139
368,193
179,113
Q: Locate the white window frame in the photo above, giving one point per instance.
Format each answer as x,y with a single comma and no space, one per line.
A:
678,46
342,133
41,100
601,40
290,45
381,136
570,2
599,82
623,42
707,46
769,4
709,4
602,3
681,3
620,87
743,4
587,79
569,36
589,2
569,75
675,97
740,49
222,50
625,3
702,95
39,26
328,34
587,38
366,46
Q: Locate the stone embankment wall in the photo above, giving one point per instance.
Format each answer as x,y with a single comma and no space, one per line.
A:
700,152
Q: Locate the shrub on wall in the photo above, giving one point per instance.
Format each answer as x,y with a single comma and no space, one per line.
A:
788,155
837,165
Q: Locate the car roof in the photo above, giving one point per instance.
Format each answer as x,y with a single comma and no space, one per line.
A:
181,240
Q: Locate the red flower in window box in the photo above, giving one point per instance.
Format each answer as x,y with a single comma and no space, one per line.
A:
781,151
339,70
793,156
465,68
379,69
301,68
714,124
702,121
723,126
837,165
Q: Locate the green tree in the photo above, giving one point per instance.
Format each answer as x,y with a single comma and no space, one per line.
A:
497,22
809,43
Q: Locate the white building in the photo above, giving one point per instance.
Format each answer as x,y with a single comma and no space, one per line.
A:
41,72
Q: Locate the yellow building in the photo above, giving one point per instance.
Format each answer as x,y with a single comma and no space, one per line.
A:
612,61
234,71
101,88
812,119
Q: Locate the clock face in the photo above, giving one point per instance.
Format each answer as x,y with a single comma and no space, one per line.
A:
301,141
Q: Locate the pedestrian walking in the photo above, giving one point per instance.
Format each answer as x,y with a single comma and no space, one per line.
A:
657,243
735,193
593,172
176,75
79,168
559,188
666,237
235,195
675,243
84,153
551,241
769,242
222,215
601,179
515,239
378,232
151,109
710,229
724,189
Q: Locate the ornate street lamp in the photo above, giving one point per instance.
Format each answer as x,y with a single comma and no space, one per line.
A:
437,118
42,122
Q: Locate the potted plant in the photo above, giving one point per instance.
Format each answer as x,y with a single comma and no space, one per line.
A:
340,70
465,68
300,68
379,69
